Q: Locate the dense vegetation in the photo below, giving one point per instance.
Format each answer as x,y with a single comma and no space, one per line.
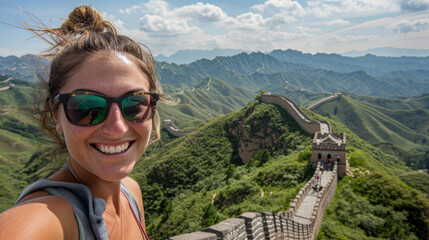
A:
372,204
205,100
181,181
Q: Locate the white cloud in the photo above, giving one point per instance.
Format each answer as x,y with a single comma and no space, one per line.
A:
119,24
272,25
337,22
202,12
156,7
130,10
284,6
165,27
351,8
307,30
407,26
255,21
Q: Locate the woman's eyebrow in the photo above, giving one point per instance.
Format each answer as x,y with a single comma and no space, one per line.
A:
85,90
90,90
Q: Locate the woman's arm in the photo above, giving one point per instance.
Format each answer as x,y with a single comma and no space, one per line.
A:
46,217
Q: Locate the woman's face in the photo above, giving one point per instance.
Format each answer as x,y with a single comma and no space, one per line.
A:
112,75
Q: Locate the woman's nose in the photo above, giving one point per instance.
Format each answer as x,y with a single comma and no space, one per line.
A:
115,124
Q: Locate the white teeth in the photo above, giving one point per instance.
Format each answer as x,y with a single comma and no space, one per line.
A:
112,149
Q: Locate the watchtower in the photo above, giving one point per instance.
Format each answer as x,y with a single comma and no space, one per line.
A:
333,146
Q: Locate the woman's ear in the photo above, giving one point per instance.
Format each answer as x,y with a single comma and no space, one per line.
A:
58,126
55,117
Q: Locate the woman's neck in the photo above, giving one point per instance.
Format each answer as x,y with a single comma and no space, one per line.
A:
107,190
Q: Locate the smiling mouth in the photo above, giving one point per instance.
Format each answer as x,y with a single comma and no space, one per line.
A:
108,149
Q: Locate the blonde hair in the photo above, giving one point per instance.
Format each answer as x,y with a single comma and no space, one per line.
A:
82,35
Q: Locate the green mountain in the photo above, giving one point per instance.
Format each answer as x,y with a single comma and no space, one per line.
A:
22,67
207,99
180,180
198,180
258,71
398,126
19,137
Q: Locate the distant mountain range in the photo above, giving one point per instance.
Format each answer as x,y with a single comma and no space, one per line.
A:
188,56
281,72
22,68
290,70
389,52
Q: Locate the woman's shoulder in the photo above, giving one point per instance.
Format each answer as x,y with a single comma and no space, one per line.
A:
39,216
133,187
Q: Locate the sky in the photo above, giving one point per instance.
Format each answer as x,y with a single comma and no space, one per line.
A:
312,26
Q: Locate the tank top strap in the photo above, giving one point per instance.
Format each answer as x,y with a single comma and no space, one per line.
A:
132,201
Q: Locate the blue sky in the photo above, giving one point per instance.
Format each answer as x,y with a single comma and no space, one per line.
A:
328,26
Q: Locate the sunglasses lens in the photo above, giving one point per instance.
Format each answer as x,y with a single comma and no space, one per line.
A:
86,109
137,108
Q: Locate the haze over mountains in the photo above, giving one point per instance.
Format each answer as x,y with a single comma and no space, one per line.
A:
188,56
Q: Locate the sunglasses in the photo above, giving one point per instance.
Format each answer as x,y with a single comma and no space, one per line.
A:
90,108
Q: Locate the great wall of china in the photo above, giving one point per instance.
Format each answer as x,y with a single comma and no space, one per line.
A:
305,213
8,86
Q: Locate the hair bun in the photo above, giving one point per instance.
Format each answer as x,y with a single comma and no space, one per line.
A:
83,19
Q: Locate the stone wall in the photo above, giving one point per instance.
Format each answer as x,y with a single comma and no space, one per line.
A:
294,110
324,198
270,226
172,129
325,100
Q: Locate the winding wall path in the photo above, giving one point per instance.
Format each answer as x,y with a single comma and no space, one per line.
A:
305,214
334,96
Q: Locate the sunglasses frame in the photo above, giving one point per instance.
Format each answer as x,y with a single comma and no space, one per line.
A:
64,97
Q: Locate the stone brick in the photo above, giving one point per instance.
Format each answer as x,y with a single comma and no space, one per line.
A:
195,236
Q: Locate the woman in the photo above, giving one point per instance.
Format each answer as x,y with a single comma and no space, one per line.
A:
102,95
